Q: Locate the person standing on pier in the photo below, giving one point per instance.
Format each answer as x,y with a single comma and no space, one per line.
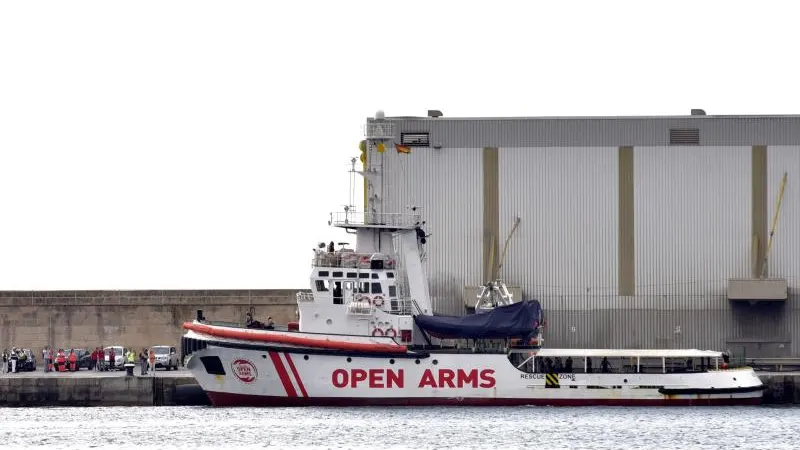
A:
5,361
143,361
152,358
73,360
44,358
13,358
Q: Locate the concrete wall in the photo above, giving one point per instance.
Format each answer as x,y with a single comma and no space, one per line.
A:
91,391
86,319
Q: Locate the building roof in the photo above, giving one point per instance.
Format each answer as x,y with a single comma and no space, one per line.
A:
628,353
609,131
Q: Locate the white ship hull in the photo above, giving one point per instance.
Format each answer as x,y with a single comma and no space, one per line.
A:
237,374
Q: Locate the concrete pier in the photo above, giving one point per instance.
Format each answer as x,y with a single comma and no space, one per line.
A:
88,388
783,388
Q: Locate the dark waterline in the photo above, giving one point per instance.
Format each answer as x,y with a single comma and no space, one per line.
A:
389,428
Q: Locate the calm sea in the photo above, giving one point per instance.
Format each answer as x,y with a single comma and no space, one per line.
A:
389,428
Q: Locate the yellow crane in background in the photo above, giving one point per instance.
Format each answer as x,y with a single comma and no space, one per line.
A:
774,225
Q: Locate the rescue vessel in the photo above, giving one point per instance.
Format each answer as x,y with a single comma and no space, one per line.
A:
366,335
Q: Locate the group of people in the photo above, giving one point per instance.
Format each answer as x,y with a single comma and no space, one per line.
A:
13,360
59,361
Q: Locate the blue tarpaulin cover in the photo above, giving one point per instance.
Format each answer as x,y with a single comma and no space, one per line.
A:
518,320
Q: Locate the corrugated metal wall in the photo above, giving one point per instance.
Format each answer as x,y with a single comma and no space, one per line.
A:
693,229
566,243
447,184
692,219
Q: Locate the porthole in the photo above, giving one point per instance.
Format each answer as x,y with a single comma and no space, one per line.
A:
305,357
349,359
435,362
417,361
391,361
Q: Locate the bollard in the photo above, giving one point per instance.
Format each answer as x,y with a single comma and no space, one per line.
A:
129,369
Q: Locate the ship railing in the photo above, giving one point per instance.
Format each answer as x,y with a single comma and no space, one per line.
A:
402,306
399,220
379,130
352,260
305,297
358,307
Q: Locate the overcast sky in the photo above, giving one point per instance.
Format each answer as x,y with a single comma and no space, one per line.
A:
172,145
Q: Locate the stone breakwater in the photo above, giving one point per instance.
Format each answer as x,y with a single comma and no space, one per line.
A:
133,319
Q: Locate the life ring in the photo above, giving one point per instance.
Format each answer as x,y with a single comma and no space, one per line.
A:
377,332
390,332
377,301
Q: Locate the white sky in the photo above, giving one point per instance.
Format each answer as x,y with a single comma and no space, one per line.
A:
201,145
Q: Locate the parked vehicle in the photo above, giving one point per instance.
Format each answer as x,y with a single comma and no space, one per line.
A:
29,365
166,357
26,365
119,357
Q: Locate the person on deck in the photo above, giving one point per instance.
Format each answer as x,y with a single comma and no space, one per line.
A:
270,324
605,367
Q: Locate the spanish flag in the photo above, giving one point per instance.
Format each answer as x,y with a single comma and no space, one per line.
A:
402,148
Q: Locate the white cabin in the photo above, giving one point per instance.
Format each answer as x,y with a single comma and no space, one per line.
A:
355,291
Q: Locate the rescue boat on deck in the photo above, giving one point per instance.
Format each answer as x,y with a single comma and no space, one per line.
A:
366,335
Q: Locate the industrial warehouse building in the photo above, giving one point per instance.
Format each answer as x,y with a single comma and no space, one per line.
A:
632,232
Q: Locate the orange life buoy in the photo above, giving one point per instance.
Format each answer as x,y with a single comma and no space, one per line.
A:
390,332
377,332
377,301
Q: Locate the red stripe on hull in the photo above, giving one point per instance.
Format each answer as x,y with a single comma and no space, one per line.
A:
223,399
282,374
296,375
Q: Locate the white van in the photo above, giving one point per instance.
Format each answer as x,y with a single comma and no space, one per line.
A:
119,357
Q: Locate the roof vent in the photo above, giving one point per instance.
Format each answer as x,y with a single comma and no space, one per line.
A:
698,112
684,136
434,113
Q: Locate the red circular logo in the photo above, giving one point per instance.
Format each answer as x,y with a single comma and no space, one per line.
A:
244,370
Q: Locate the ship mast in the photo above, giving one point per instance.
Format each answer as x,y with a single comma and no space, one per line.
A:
379,226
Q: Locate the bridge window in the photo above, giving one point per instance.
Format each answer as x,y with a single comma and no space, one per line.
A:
352,275
363,288
363,275
320,285
389,274
323,273
376,288
392,291
337,274
374,276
